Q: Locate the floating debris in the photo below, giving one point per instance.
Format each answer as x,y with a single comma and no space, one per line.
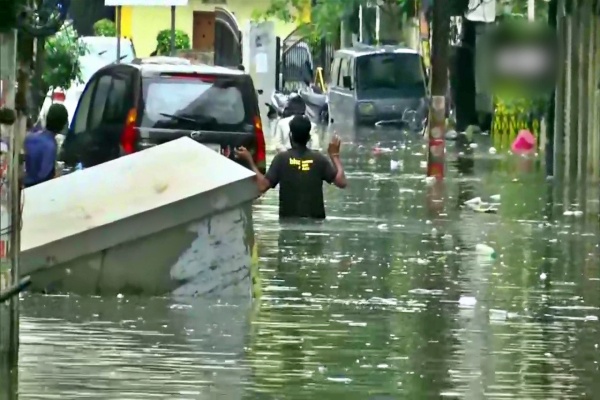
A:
573,213
467,301
478,205
484,249
396,165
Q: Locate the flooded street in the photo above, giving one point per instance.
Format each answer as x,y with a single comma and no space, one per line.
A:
392,297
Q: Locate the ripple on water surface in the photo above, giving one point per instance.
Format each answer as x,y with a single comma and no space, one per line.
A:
390,298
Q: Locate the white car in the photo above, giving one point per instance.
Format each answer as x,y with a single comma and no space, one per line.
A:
102,51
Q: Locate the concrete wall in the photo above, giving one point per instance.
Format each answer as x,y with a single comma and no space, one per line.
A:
211,257
142,24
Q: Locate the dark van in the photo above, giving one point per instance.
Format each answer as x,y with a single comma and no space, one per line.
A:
126,108
372,84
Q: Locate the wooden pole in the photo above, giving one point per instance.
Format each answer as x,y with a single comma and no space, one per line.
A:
439,83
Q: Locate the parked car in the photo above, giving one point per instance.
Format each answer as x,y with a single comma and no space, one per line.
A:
128,107
371,84
101,51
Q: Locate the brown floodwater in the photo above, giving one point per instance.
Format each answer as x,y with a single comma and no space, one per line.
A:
402,293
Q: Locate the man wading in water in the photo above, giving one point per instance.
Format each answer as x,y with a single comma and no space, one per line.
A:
300,172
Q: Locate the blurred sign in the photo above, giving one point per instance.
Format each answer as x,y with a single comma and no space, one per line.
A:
523,56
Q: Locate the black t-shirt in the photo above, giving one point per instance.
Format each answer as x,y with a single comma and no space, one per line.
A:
300,174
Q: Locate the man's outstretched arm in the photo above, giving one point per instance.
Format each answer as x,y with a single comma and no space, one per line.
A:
336,173
263,182
340,175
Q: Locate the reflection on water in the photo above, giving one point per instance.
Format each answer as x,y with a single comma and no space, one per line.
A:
387,299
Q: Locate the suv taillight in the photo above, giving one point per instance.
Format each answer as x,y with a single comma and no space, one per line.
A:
58,96
260,156
129,136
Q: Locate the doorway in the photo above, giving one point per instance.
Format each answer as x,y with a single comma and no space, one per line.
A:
204,31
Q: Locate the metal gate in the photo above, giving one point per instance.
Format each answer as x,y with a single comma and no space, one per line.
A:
299,60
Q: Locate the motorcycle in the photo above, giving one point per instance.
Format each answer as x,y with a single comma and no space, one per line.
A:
277,105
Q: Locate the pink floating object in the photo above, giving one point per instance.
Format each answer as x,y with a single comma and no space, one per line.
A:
523,143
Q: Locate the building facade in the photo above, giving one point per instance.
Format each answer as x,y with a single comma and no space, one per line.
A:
212,25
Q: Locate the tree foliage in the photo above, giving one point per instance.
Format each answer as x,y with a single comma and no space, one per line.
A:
163,41
63,51
326,15
105,27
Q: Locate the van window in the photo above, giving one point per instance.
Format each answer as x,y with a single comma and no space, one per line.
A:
396,71
82,112
335,69
116,107
99,101
192,102
351,71
344,71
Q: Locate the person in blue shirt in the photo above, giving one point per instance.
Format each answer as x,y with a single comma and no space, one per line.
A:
41,148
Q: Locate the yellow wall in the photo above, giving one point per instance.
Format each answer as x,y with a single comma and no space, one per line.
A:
146,22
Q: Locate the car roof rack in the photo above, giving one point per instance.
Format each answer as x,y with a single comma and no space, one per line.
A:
162,60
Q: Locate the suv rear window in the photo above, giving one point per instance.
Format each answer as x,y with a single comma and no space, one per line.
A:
176,101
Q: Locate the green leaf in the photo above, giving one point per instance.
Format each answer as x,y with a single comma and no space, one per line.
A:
105,27
163,41
62,58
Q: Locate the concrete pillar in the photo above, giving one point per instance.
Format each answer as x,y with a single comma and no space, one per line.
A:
592,83
9,329
568,103
559,104
594,147
573,103
583,50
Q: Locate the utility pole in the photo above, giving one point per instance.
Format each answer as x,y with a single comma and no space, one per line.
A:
531,10
439,83
360,24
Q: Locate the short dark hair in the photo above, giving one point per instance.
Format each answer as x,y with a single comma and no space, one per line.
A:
57,118
300,127
295,106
